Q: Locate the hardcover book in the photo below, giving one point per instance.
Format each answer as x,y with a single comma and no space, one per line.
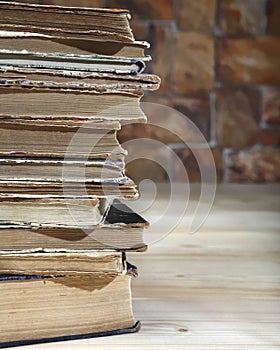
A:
40,309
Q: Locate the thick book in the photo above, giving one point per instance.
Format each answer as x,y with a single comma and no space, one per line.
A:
52,211
74,79
38,308
101,24
120,229
60,169
45,101
60,138
79,188
34,42
87,63
61,263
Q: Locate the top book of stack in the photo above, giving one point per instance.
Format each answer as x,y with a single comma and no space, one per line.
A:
104,24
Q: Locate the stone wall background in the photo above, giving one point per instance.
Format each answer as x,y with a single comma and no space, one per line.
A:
219,61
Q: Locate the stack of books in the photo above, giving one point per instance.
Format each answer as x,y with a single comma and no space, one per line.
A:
69,79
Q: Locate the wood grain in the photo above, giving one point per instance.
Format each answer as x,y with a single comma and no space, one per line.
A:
216,289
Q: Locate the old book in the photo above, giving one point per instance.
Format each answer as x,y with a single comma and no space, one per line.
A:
55,138
43,102
101,24
42,309
61,263
120,229
87,63
54,169
52,211
96,81
34,42
120,188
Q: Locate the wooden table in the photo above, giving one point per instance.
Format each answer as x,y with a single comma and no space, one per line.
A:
216,289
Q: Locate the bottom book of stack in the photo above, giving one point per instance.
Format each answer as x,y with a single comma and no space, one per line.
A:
63,292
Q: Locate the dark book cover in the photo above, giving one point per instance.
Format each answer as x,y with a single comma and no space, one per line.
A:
132,329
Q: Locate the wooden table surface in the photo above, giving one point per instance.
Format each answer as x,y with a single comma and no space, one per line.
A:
216,289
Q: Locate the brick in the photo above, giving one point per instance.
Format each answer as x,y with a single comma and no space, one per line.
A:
159,38
145,9
270,137
239,17
142,169
249,61
238,116
273,15
147,162
74,3
174,113
193,69
198,15
191,166
197,109
271,106
253,166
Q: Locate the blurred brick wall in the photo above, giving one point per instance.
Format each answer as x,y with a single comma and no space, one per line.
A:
219,61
